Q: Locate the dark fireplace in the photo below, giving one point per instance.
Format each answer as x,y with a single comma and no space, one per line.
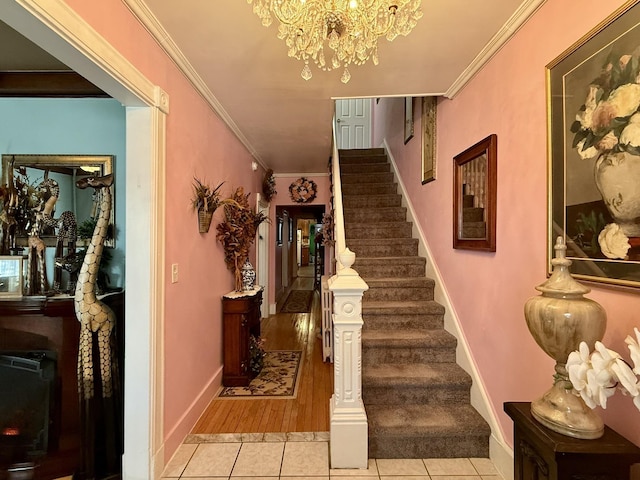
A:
27,401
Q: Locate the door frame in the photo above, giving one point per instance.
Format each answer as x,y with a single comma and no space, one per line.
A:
59,30
262,253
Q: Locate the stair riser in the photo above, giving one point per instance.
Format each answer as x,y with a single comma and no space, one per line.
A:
389,270
396,230
399,322
423,395
371,201
366,215
397,294
391,250
364,168
369,189
433,446
376,356
367,178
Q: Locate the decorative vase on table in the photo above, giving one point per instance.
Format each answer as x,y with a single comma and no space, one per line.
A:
248,276
559,319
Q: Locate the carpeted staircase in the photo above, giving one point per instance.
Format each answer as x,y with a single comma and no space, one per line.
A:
416,397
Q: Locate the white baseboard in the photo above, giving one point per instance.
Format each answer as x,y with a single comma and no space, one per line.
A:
502,457
186,422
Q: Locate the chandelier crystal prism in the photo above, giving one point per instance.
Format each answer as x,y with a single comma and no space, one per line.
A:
349,28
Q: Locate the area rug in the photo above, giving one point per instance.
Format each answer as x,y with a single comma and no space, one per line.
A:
278,377
298,301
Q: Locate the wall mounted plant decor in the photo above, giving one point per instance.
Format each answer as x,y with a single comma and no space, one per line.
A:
205,202
303,190
269,185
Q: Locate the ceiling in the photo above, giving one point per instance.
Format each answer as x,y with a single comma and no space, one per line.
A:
242,68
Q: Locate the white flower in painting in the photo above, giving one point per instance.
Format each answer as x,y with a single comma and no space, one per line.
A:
585,117
613,242
631,133
634,350
590,152
622,102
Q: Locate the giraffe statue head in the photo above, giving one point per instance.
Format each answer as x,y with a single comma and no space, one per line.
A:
95,182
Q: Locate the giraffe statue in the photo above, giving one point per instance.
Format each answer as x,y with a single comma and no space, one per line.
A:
97,322
48,192
67,229
94,316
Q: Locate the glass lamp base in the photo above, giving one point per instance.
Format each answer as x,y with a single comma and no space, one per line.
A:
565,413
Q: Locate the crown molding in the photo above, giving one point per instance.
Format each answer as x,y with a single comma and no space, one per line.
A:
151,23
526,10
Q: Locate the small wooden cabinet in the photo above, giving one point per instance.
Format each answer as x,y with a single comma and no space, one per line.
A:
241,319
540,453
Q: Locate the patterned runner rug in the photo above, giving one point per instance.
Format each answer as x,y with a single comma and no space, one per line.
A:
298,301
278,377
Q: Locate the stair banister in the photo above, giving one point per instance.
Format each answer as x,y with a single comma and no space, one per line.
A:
348,419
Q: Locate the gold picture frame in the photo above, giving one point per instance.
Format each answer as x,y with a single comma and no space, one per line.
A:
408,119
583,145
429,108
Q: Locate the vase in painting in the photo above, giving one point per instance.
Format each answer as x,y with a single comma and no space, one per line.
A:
617,177
559,319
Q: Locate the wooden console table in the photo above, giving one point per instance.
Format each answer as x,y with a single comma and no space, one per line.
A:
241,319
541,453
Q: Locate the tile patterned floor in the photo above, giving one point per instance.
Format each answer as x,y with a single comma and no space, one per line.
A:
294,460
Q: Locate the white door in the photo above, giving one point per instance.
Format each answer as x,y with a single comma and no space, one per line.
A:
353,117
262,253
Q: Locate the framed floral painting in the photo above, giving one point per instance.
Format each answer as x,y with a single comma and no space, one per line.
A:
593,95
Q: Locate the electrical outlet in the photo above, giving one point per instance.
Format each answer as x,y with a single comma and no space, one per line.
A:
174,273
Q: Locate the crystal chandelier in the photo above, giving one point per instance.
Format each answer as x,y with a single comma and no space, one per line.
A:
350,28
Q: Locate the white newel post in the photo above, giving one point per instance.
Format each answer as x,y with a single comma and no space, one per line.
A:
349,435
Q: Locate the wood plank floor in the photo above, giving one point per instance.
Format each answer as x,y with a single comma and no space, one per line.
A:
309,411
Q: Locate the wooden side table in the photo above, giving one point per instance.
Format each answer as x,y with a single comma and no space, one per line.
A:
241,319
541,453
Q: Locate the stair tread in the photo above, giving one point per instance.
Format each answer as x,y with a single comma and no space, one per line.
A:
399,374
394,338
425,420
403,259
345,191
431,306
395,282
376,241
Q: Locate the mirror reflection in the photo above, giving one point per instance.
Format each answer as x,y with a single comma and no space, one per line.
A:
40,203
474,199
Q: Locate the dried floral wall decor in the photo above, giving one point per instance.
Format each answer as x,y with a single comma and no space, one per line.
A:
327,230
269,185
238,232
303,190
205,201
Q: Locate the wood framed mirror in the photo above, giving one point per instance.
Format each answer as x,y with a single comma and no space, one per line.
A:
474,196
25,173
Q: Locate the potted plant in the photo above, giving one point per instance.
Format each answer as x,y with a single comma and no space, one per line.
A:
238,232
205,201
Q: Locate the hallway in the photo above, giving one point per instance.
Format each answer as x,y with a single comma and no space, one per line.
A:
309,411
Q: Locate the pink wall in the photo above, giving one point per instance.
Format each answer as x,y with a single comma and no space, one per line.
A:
198,144
488,290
